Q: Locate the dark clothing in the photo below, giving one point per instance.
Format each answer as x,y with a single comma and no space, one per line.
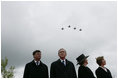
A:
34,71
85,72
58,70
101,73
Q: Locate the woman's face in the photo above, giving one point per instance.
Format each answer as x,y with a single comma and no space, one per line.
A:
103,62
86,61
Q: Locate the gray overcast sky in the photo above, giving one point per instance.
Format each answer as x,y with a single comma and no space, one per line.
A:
27,26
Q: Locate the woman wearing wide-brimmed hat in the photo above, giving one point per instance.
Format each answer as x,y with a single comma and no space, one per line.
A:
84,71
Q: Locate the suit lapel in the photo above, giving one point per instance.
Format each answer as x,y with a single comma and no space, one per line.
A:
61,65
67,62
59,62
108,70
103,70
33,63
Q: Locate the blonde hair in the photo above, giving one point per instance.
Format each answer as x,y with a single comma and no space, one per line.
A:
99,60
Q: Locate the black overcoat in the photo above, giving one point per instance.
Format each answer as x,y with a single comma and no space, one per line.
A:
58,70
34,71
101,73
85,72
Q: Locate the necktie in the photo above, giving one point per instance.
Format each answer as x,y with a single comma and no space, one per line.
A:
63,63
37,63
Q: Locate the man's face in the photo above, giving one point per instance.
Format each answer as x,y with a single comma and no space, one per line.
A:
103,62
37,56
62,54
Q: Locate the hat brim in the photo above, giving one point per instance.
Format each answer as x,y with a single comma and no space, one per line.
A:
83,59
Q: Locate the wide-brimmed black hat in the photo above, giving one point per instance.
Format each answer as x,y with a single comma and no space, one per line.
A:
81,58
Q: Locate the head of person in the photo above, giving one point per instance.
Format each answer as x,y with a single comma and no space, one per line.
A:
37,55
82,60
62,53
101,61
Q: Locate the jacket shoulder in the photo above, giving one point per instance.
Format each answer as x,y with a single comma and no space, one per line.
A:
55,62
44,64
29,63
98,69
69,62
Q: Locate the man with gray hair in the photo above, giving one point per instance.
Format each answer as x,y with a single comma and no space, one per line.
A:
62,68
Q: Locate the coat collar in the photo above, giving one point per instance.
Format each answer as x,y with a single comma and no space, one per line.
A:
63,60
103,69
33,62
59,61
36,62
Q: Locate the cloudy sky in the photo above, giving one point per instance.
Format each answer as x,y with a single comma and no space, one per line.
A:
27,26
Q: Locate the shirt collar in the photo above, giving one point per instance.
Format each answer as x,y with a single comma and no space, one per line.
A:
104,68
63,60
36,61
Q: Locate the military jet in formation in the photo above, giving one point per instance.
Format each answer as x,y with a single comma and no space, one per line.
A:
75,28
62,28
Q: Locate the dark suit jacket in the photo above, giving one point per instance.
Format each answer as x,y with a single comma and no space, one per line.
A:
101,73
34,71
58,70
85,72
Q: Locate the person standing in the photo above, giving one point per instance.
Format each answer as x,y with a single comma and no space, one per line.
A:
84,71
62,68
36,68
101,71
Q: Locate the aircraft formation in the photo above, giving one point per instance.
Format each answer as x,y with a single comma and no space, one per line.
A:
70,27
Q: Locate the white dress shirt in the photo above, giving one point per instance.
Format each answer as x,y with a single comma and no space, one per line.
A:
63,61
104,68
37,62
